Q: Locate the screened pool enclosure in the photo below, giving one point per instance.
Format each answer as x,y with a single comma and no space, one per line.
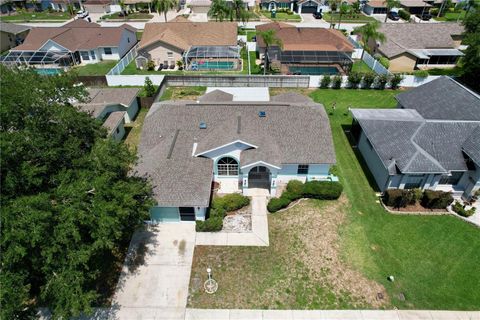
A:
40,58
340,58
212,58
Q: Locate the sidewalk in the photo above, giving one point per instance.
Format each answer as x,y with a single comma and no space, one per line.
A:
258,236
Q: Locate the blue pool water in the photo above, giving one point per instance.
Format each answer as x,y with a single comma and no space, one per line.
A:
312,70
49,71
219,65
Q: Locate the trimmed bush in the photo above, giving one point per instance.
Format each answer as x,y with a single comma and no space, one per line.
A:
230,202
459,208
212,224
325,82
295,187
436,199
433,11
395,81
336,82
420,73
394,198
276,204
354,79
404,14
384,62
325,190
368,80
381,81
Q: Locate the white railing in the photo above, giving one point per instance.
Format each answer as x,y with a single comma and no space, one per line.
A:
124,62
374,64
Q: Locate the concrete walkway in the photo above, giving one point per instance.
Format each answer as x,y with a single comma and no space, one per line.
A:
258,236
235,314
155,277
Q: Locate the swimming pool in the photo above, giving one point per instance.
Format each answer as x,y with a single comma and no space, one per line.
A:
49,71
219,65
312,70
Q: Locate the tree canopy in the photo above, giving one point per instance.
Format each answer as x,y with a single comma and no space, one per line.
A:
69,204
471,60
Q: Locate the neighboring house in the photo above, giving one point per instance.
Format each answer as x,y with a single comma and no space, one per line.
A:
432,141
12,35
415,6
307,48
199,45
411,46
98,6
62,5
375,7
298,6
187,145
77,42
203,6
113,106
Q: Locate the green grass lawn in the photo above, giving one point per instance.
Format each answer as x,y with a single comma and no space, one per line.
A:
445,72
131,16
434,259
134,129
182,93
360,66
254,68
95,69
250,35
346,18
283,16
452,16
36,16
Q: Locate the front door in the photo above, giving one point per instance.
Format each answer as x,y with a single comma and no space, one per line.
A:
259,177
187,213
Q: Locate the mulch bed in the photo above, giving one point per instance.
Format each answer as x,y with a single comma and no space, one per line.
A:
416,208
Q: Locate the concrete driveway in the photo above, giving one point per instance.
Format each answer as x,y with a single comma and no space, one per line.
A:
155,276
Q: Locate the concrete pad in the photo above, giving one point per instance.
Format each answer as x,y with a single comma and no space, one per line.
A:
414,315
243,239
454,315
245,93
308,315
379,314
211,239
239,314
342,314
207,314
277,315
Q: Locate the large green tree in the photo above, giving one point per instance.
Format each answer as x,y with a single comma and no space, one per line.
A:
69,204
163,6
270,39
390,4
471,60
369,32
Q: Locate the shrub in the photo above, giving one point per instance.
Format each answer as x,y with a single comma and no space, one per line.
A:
368,80
294,190
325,82
436,199
395,198
395,80
276,204
434,11
384,62
420,73
459,208
212,224
230,202
381,81
354,79
148,87
404,14
325,190
337,82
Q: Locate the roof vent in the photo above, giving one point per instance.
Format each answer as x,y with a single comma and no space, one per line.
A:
203,125
262,114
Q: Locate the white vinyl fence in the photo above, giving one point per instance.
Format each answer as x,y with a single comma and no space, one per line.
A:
124,62
133,80
374,64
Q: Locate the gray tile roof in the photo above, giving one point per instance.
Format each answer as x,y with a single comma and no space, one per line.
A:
471,146
290,133
13,28
442,99
113,120
99,98
216,96
402,37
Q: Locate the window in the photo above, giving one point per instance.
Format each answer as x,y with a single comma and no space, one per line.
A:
452,179
107,51
170,55
92,54
128,40
84,55
117,131
227,167
302,169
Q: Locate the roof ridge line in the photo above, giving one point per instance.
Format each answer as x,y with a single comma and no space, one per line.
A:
421,150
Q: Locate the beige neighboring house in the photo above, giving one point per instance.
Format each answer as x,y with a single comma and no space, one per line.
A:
12,35
411,46
199,45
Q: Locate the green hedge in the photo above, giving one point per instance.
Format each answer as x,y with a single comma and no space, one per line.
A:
325,190
400,198
436,199
230,202
212,224
404,14
458,208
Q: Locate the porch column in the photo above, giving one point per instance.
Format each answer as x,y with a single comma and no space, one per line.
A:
318,7
300,8
273,185
244,182
291,6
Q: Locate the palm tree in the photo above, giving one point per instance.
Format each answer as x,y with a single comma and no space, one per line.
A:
163,6
390,4
333,7
369,32
344,8
121,3
238,11
218,10
270,39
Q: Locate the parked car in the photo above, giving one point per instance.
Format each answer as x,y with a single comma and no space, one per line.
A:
424,17
317,15
82,14
393,15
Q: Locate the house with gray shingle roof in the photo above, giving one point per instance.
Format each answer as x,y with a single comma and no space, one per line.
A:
12,35
431,141
188,145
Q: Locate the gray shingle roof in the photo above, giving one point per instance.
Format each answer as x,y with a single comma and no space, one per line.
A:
442,99
402,37
471,146
13,28
113,120
290,133
99,98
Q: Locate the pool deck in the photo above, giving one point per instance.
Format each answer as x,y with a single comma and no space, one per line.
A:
286,68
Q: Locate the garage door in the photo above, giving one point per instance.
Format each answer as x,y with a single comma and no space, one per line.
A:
187,213
309,9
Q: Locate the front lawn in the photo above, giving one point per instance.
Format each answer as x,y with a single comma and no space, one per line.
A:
130,16
433,258
36,16
95,69
283,16
327,16
452,16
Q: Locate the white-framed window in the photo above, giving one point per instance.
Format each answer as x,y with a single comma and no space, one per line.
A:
169,54
107,51
302,169
85,55
227,166
92,54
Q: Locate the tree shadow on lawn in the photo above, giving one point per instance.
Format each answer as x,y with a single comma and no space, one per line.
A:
346,128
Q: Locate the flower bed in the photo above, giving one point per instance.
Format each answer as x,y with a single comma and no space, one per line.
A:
416,200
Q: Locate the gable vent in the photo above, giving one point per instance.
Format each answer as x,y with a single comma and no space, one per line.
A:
203,125
262,114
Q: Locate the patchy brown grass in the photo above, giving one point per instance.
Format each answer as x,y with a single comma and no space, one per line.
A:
301,269
133,130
